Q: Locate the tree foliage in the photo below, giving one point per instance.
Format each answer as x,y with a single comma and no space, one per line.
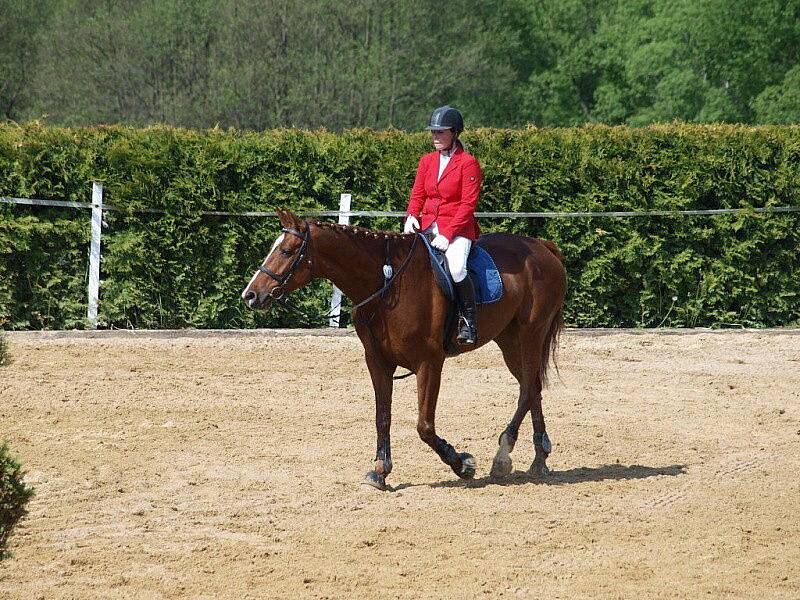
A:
281,63
22,22
257,65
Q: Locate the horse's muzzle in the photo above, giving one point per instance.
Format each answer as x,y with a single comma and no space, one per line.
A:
254,302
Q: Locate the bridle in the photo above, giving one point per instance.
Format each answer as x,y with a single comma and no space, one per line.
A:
279,290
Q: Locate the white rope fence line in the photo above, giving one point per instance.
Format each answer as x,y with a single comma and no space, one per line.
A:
343,214
384,213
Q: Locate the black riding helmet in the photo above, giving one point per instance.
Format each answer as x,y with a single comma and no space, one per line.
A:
446,117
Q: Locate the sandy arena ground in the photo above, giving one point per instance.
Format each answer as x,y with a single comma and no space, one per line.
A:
228,466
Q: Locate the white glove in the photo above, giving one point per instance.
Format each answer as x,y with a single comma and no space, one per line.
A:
440,242
411,224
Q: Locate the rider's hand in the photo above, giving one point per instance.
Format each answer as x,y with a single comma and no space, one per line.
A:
411,224
440,242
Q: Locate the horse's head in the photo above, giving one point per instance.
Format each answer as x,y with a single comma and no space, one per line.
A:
286,268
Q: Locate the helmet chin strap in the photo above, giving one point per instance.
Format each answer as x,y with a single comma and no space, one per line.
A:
453,142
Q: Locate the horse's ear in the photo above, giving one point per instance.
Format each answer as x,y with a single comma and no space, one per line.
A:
285,217
291,220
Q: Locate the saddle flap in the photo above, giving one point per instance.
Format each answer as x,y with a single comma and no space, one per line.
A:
440,270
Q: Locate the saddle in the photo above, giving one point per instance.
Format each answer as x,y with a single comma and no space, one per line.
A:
485,277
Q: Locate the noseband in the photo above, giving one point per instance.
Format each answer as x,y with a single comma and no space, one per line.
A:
279,290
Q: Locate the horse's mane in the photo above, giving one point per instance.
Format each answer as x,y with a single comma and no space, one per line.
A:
363,233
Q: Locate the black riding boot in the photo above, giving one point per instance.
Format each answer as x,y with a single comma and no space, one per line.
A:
467,330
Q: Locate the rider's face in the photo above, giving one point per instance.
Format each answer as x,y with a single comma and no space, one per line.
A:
442,140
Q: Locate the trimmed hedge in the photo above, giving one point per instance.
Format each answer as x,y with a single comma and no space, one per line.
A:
14,496
186,270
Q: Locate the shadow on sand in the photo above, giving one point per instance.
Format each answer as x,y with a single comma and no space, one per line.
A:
577,475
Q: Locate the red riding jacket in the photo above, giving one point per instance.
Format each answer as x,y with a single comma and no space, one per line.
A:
450,201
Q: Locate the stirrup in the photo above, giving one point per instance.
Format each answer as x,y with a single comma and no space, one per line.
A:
467,332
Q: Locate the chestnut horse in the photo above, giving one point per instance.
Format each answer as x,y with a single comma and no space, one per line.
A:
404,324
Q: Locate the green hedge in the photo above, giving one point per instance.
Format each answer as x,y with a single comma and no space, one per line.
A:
14,496
186,270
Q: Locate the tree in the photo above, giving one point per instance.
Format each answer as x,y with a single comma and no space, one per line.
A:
128,61
367,63
644,61
256,64
780,104
20,23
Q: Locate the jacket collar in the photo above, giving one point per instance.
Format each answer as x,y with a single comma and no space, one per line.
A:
458,148
454,160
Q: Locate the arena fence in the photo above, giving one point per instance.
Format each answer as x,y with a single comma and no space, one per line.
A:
344,214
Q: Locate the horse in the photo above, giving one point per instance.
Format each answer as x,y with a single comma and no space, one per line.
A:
400,313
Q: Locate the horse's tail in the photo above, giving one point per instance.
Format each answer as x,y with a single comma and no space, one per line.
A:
551,344
556,325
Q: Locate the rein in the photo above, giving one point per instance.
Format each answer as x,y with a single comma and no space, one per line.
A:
323,318
278,292
368,322
389,280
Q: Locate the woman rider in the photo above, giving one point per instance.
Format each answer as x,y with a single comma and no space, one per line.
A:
443,201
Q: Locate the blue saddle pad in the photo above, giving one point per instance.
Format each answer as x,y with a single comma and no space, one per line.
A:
480,267
485,276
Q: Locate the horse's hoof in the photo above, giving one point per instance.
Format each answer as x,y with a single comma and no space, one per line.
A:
376,480
467,466
501,466
538,469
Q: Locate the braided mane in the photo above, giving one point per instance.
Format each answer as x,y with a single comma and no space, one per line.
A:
361,232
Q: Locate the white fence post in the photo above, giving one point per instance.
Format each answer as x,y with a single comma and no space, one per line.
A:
336,299
94,253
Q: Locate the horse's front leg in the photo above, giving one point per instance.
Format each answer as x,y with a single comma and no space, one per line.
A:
382,382
429,377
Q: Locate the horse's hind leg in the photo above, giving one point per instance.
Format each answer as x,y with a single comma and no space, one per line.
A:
502,464
522,351
541,442
516,361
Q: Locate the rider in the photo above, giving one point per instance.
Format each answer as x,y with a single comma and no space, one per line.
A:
444,196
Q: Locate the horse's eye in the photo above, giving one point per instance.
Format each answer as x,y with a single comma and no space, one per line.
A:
286,252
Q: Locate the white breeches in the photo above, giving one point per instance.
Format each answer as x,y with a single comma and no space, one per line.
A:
457,253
